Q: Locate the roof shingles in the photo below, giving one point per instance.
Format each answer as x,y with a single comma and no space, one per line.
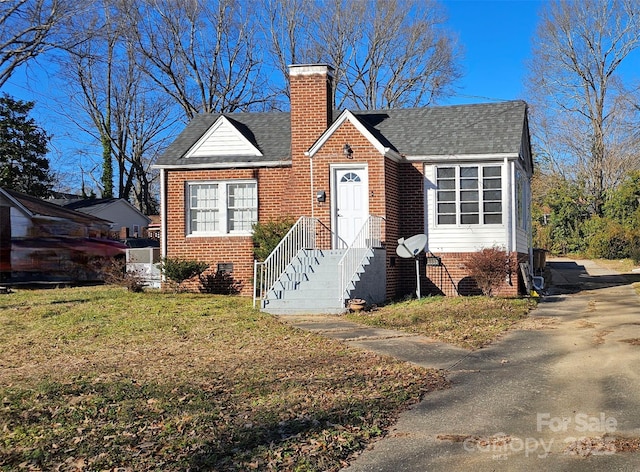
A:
491,128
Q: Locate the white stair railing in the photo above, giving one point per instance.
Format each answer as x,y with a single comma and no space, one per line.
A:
302,235
369,237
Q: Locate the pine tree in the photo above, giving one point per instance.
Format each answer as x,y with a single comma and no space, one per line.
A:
23,147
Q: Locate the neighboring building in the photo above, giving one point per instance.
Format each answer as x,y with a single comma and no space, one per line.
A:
43,241
128,221
153,230
459,174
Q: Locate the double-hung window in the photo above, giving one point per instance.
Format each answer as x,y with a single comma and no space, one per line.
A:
221,207
469,195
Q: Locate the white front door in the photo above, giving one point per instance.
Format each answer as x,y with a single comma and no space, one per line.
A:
351,203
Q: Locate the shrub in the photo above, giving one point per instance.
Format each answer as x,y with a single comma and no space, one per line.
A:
489,267
220,283
115,273
608,239
266,236
178,270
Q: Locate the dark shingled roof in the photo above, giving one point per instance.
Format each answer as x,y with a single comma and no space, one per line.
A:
491,128
43,208
270,132
90,206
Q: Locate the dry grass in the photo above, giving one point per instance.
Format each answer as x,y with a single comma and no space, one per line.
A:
102,379
469,322
624,266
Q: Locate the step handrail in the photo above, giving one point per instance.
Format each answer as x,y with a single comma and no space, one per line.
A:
368,238
302,235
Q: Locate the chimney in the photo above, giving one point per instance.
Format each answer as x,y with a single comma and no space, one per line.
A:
311,92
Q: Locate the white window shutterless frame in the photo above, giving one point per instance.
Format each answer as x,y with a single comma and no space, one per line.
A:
468,195
224,207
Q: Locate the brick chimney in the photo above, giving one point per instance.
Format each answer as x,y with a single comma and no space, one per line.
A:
311,93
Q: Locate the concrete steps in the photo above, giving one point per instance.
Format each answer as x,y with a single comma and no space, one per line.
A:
310,284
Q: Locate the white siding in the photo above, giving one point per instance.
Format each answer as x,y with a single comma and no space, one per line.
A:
223,139
20,224
522,241
122,215
523,234
464,238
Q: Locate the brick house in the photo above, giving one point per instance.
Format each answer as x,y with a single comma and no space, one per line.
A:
357,181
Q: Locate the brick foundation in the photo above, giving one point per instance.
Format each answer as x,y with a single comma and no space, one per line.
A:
453,274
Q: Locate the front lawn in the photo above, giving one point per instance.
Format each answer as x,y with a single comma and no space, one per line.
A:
469,322
99,379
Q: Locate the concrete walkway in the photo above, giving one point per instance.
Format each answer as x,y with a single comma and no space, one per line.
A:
542,399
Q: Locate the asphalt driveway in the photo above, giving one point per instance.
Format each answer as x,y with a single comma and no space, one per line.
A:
551,399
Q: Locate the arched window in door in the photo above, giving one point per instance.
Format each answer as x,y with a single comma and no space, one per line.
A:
350,177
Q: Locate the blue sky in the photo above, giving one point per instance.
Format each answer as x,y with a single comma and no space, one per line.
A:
495,34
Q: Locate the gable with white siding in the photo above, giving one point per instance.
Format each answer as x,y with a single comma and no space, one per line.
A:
223,139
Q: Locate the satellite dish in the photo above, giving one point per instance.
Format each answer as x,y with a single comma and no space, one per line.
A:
408,248
411,247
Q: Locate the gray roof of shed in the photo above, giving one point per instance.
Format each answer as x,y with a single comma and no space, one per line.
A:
490,128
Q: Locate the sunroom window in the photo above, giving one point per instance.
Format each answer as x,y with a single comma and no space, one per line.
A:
469,195
221,207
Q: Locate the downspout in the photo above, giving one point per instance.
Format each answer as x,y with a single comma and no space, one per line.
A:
311,182
163,213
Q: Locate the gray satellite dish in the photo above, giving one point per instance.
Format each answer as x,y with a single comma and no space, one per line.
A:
412,247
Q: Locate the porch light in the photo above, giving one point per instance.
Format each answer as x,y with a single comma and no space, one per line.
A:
347,151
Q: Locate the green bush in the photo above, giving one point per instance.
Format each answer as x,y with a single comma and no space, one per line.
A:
634,253
266,236
608,239
178,270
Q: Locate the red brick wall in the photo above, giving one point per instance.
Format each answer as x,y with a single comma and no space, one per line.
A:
311,115
411,208
393,178
363,153
437,279
222,249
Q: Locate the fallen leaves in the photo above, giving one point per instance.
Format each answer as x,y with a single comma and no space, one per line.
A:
257,395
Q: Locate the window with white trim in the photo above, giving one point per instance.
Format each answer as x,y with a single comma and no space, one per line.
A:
221,207
469,195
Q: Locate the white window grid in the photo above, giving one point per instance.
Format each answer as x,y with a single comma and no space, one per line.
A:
222,207
468,195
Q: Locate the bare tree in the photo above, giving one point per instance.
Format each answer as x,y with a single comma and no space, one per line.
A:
125,114
285,23
387,53
25,28
203,54
575,82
